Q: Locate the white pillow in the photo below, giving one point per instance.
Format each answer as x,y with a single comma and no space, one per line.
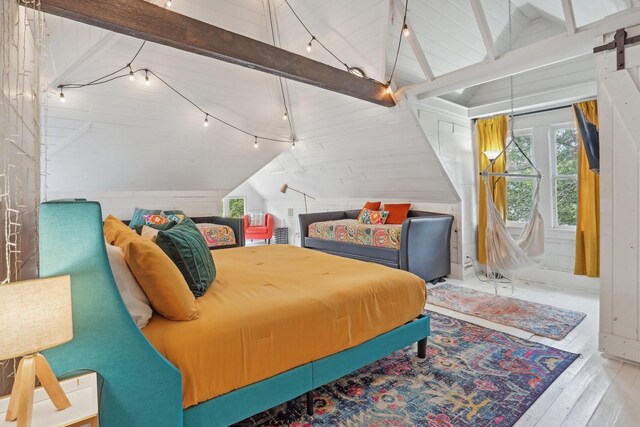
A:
134,298
149,233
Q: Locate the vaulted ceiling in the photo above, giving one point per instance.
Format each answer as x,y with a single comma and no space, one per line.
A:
129,136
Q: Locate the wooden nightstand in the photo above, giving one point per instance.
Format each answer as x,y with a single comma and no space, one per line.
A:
82,391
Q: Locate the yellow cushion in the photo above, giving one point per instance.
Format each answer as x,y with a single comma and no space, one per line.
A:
116,232
160,279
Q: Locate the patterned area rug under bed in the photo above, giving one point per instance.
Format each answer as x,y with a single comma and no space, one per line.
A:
540,319
472,376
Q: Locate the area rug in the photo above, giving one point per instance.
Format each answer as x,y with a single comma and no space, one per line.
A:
472,376
540,319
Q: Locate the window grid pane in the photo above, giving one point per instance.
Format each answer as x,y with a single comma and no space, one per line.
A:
519,190
565,182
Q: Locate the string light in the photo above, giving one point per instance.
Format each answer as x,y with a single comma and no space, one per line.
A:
132,76
285,116
117,74
168,3
293,145
255,143
353,70
405,34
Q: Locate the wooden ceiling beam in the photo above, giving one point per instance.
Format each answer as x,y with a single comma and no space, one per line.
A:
485,32
156,24
569,18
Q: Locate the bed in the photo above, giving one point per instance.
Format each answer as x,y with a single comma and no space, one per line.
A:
420,245
141,386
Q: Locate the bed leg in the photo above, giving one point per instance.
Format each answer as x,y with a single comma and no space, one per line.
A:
422,348
310,410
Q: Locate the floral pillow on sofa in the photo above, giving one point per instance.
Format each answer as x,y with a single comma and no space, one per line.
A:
368,216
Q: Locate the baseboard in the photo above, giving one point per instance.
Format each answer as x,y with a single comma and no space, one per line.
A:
564,279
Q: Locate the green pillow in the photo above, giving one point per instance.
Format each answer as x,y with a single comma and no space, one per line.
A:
161,227
186,247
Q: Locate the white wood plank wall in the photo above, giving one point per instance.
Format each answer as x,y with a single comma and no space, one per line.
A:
122,203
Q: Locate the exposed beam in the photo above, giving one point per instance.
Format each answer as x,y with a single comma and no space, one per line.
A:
556,49
569,18
415,45
483,26
159,25
537,101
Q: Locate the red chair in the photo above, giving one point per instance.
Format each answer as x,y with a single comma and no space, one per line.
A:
259,232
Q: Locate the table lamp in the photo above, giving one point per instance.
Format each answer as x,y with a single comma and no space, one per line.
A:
34,315
286,187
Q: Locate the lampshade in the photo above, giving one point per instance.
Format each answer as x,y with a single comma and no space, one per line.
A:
492,154
34,315
284,188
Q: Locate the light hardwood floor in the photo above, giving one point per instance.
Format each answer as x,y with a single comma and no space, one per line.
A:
594,391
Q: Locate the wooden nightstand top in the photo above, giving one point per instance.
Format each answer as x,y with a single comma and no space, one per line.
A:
82,391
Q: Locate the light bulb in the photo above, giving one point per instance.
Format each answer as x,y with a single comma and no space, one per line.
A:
206,120
255,144
168,3
61,96
405,30
146,79
389,90
285,116
293,145
132,76
309,45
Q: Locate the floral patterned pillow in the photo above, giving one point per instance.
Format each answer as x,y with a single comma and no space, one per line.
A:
155,219
367,216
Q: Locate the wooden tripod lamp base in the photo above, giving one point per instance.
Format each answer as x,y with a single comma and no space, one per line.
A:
21,402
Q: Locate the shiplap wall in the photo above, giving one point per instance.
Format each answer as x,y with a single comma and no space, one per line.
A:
451,138
253,199
122,203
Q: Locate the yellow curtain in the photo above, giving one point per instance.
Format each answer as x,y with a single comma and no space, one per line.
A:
588,221
491,134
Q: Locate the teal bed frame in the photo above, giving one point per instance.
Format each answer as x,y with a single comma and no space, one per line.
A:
141,388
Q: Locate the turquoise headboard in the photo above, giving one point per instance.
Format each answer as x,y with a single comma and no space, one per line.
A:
140,387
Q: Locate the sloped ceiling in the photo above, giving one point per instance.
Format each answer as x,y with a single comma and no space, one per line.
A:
128,136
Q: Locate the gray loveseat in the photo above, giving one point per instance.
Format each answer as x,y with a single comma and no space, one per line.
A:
424,243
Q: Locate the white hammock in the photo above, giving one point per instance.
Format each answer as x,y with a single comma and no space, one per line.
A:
504,254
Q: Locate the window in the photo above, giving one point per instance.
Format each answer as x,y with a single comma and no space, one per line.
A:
520,190
565,175
235,207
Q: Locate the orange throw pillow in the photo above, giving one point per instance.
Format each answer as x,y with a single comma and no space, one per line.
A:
160,279
373,206
116,232
397,212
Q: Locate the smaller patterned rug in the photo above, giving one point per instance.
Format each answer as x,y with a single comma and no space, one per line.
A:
540,319
472,377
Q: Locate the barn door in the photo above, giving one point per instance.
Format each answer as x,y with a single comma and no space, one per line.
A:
619,116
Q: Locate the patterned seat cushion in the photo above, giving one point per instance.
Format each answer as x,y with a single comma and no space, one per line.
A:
350,231
217,235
